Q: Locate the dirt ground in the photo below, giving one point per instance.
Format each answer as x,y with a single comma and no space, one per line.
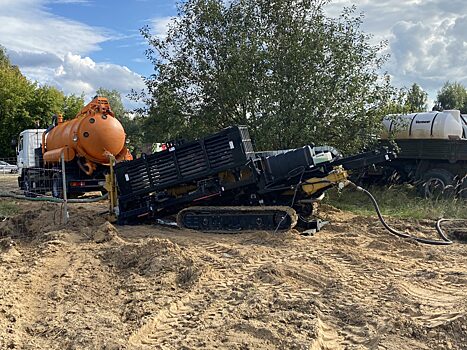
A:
92,285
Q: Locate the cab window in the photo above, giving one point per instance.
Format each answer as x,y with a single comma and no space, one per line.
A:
20,143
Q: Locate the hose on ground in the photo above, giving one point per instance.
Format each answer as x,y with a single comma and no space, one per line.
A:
445,240
54,200
33,199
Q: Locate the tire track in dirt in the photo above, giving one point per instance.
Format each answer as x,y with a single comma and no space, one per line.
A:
225,289
303,276
42,288
370,279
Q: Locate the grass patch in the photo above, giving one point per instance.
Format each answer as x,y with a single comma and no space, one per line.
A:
397,201
8,208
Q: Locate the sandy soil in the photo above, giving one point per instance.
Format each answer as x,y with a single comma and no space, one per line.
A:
90,285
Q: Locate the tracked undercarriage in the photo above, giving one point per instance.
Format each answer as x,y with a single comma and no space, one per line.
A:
235,219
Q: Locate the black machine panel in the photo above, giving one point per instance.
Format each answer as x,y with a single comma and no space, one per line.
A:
289,163
187,162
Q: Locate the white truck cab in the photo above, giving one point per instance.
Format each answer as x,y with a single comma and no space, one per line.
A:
29,140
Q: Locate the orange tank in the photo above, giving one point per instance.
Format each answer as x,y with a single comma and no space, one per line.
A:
92,136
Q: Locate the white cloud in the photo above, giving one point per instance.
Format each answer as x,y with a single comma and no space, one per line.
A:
34,59
160,26
77,75
53,50
26,25
427,39
77,71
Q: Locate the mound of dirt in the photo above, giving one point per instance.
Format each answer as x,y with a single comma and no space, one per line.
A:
271,239
328,212
270,273
105,233
91,285
8,251
48,217
156,258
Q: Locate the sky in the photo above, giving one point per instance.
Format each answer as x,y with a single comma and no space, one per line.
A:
82,45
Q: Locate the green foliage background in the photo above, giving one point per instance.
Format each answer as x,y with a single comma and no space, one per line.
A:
291,74
452,95
284,69
25,104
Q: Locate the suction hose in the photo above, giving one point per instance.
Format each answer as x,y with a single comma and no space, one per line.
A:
445,240
54,200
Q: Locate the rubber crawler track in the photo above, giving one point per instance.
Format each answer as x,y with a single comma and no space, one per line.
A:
241,209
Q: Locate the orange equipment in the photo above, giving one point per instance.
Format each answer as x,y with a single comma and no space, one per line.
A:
92,136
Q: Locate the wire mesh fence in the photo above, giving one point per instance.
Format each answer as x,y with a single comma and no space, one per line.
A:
57,182
9,175
8,166
44,183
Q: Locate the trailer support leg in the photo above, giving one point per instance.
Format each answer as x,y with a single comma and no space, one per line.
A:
64,190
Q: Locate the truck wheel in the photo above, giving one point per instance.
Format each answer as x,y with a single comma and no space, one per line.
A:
57,186
438,183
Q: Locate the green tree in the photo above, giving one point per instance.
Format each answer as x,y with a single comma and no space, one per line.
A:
24,104
47,101
72,104
452,96
407,100
283,68
415,100
15,93
4,60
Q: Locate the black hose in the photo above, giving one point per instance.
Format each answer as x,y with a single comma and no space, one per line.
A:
293,199
445,240
54,200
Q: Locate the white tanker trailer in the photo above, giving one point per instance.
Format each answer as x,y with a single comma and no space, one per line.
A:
432,150
446,125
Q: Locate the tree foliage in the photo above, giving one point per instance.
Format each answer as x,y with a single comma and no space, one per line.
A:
410,100
25,104
416,99
283,68
15,93
72,104
452,96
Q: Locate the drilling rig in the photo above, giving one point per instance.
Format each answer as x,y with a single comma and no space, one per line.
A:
220,184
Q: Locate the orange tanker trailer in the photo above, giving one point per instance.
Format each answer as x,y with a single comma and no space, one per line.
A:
86,143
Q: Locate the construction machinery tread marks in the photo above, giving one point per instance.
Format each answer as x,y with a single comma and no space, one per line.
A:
233,219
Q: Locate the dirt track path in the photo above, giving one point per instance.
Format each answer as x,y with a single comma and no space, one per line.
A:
350,286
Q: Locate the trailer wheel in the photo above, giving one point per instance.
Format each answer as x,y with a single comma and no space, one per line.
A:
57,186
438,183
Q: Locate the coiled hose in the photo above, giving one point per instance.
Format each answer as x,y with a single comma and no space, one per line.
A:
444,239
